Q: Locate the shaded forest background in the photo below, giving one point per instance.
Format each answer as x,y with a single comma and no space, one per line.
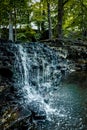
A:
38,20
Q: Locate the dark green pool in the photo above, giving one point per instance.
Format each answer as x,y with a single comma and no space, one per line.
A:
70,100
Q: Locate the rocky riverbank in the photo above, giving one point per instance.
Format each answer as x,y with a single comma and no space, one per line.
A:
76,51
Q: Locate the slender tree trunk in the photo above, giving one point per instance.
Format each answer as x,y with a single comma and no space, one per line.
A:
39,27
43,14
15,24
10,27
49,19
42,23
28,19
83,29
0,31
39,23
60,18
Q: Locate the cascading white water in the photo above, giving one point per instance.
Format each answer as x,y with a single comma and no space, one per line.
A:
30,94
23,55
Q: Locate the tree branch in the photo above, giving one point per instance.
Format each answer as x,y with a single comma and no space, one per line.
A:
84,6
65,2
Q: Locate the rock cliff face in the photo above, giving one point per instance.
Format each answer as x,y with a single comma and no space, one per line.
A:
6,60
76,53
39,69
79,55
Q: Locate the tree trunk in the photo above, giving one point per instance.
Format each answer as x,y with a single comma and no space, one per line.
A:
0,31
15,24
43,15
83,25
10,27
60,18
42,23
49,20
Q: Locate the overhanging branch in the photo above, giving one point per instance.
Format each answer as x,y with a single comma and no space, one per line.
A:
65,2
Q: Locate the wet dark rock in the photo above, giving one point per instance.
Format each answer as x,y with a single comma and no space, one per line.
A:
38,111
4,41
22,123
63,71
5,72
79,55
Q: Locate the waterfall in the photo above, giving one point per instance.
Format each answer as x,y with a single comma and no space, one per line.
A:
41,76
30,94
32,91
23,55
27,88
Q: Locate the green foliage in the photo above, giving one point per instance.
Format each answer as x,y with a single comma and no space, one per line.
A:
26,34
28,12
75,18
